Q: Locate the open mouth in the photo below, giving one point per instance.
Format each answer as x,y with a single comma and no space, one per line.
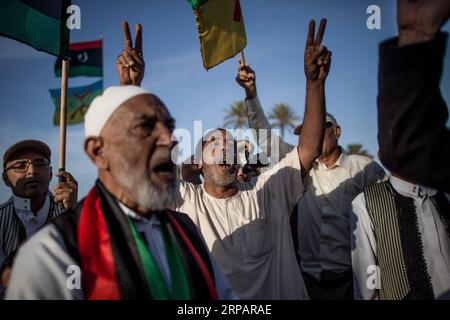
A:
226,167
165,169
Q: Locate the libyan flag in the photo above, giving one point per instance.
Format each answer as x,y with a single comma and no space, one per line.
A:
86,59
221,29
78,101
38,23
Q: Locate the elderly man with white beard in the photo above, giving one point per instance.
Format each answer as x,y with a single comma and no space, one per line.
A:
121,240
246,225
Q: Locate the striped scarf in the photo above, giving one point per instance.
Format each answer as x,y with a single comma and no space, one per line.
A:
115,259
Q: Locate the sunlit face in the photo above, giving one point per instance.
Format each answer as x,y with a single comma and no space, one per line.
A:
139,151
219,162
28,174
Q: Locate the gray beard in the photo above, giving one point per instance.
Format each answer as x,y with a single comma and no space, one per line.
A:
144,192
223,182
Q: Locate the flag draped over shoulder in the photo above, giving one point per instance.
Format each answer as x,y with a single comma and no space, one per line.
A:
38,23
221,29
86,59
78,101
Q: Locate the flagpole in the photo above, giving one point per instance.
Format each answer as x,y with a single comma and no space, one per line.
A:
243,57
63,116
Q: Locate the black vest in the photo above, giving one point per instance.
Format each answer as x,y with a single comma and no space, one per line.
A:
404,272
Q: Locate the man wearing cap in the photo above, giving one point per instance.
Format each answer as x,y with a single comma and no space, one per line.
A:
322,215
27,171
121,242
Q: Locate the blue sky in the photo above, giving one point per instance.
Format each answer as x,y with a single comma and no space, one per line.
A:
276,33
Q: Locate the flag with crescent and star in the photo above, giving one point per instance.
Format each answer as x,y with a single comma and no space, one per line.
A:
86,59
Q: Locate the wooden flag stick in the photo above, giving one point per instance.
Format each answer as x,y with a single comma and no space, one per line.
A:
63,116
243,57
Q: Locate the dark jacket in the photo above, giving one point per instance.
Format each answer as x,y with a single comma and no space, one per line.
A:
412,115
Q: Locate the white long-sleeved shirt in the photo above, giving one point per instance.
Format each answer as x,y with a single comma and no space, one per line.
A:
436,243
323,212
323,220
249,234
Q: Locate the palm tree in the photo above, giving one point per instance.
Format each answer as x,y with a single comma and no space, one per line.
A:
283,117
236,115
356,148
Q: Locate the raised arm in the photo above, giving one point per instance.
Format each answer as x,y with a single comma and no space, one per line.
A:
130,64
317,65
412,135
257,120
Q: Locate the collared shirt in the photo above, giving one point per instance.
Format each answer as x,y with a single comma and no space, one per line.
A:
436,243
31,221
151,231
249,235
323,222
323,212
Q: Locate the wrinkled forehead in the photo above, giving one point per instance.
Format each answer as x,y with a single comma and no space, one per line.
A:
142,107
146,104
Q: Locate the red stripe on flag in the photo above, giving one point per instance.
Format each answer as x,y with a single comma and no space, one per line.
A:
94,245
237,11
97,44
204,269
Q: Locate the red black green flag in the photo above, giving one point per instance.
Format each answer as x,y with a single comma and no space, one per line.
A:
38,23
86,59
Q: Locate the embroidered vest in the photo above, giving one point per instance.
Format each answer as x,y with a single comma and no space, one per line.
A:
404,272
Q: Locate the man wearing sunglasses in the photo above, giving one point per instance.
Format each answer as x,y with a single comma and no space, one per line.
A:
27,171
320,222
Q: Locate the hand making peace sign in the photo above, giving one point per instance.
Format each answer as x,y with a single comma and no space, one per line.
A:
130,63
317,57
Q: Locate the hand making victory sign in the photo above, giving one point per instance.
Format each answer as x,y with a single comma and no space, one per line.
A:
130,63
317,57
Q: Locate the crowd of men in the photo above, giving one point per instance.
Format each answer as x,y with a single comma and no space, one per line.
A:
317,223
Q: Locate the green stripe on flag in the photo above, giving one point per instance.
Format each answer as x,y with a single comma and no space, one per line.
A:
197,3
25,24
87,71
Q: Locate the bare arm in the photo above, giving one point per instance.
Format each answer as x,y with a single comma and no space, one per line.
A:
317,65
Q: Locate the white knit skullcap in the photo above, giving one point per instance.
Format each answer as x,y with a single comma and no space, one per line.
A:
104,106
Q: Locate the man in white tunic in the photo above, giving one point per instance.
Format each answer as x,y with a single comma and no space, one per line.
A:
246,225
